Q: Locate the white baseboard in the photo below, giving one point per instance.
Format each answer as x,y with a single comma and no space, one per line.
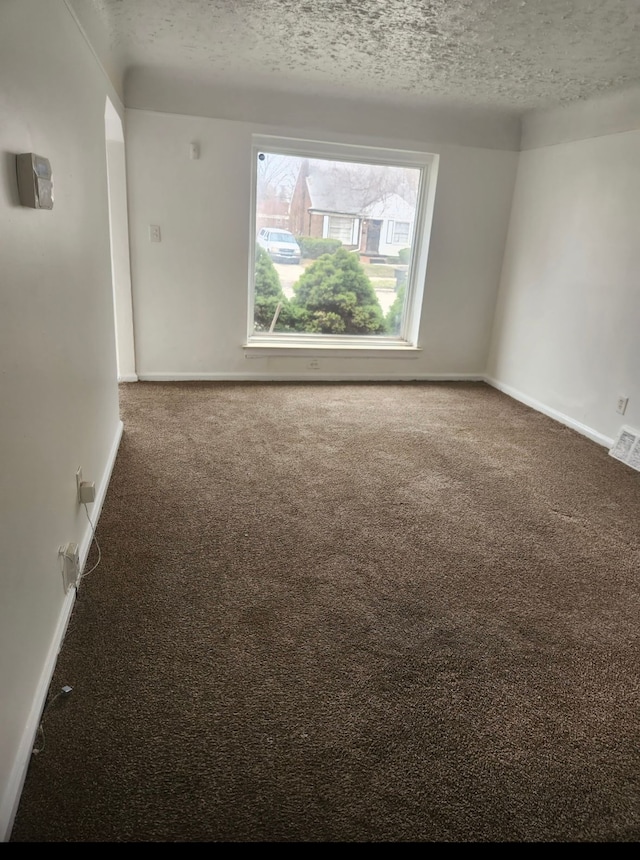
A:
11,798
310,377
96,508
583,429
15,784
130,377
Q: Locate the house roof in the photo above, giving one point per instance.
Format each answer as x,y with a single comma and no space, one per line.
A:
327,195
391,207
340,193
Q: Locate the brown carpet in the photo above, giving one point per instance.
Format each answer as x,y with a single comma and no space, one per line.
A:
349,613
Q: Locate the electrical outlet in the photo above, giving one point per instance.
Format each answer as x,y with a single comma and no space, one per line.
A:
154,233
314,364
621,406
69,554
86,489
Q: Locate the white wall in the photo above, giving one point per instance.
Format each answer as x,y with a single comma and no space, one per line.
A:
119,233
168,91
190,290
568,316
58,388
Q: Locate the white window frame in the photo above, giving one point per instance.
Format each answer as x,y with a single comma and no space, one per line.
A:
355,228
404,241
390,226
348,222
281,343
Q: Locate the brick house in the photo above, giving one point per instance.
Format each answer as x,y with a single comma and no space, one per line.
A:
326,205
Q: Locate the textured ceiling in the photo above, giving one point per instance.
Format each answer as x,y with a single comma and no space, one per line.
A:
511,54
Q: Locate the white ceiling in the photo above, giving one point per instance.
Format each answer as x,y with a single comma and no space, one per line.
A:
507,54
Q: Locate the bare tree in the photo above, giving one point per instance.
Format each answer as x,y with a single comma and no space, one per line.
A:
277,175
365,184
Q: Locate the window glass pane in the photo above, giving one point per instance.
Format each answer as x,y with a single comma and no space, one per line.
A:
333,245
401,233
341,228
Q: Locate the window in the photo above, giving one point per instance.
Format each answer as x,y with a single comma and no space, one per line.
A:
347,268
399,232
341,228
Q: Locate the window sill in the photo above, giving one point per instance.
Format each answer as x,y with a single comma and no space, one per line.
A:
257,348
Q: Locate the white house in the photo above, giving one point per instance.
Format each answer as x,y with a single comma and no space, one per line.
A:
330,202
396,219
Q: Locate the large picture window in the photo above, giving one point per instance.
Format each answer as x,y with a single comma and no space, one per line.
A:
339,244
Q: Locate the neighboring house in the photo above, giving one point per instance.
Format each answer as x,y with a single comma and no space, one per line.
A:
326,205
274,212
387,226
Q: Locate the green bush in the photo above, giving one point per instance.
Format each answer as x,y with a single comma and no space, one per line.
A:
267,283
313,248
403,256
338,297
268,293
291,318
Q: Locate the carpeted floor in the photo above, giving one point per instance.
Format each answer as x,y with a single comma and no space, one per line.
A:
349,613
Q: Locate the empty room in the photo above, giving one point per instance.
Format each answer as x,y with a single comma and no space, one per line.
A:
320,421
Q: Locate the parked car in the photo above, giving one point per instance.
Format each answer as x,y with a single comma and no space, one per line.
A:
280,245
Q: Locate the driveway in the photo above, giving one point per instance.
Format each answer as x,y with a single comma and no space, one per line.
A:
288,275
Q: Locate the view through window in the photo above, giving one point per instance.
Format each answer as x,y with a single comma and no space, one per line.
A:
334,244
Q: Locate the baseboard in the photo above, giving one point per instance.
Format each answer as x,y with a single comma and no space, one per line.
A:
96,509
128,377
13,791
310,377
583,429
14,787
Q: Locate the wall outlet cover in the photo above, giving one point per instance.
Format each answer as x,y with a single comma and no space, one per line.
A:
70,559
621,406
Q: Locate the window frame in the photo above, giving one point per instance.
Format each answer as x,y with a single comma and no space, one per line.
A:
287,343
406,235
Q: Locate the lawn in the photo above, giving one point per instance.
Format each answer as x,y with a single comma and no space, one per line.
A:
383,283
379,270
